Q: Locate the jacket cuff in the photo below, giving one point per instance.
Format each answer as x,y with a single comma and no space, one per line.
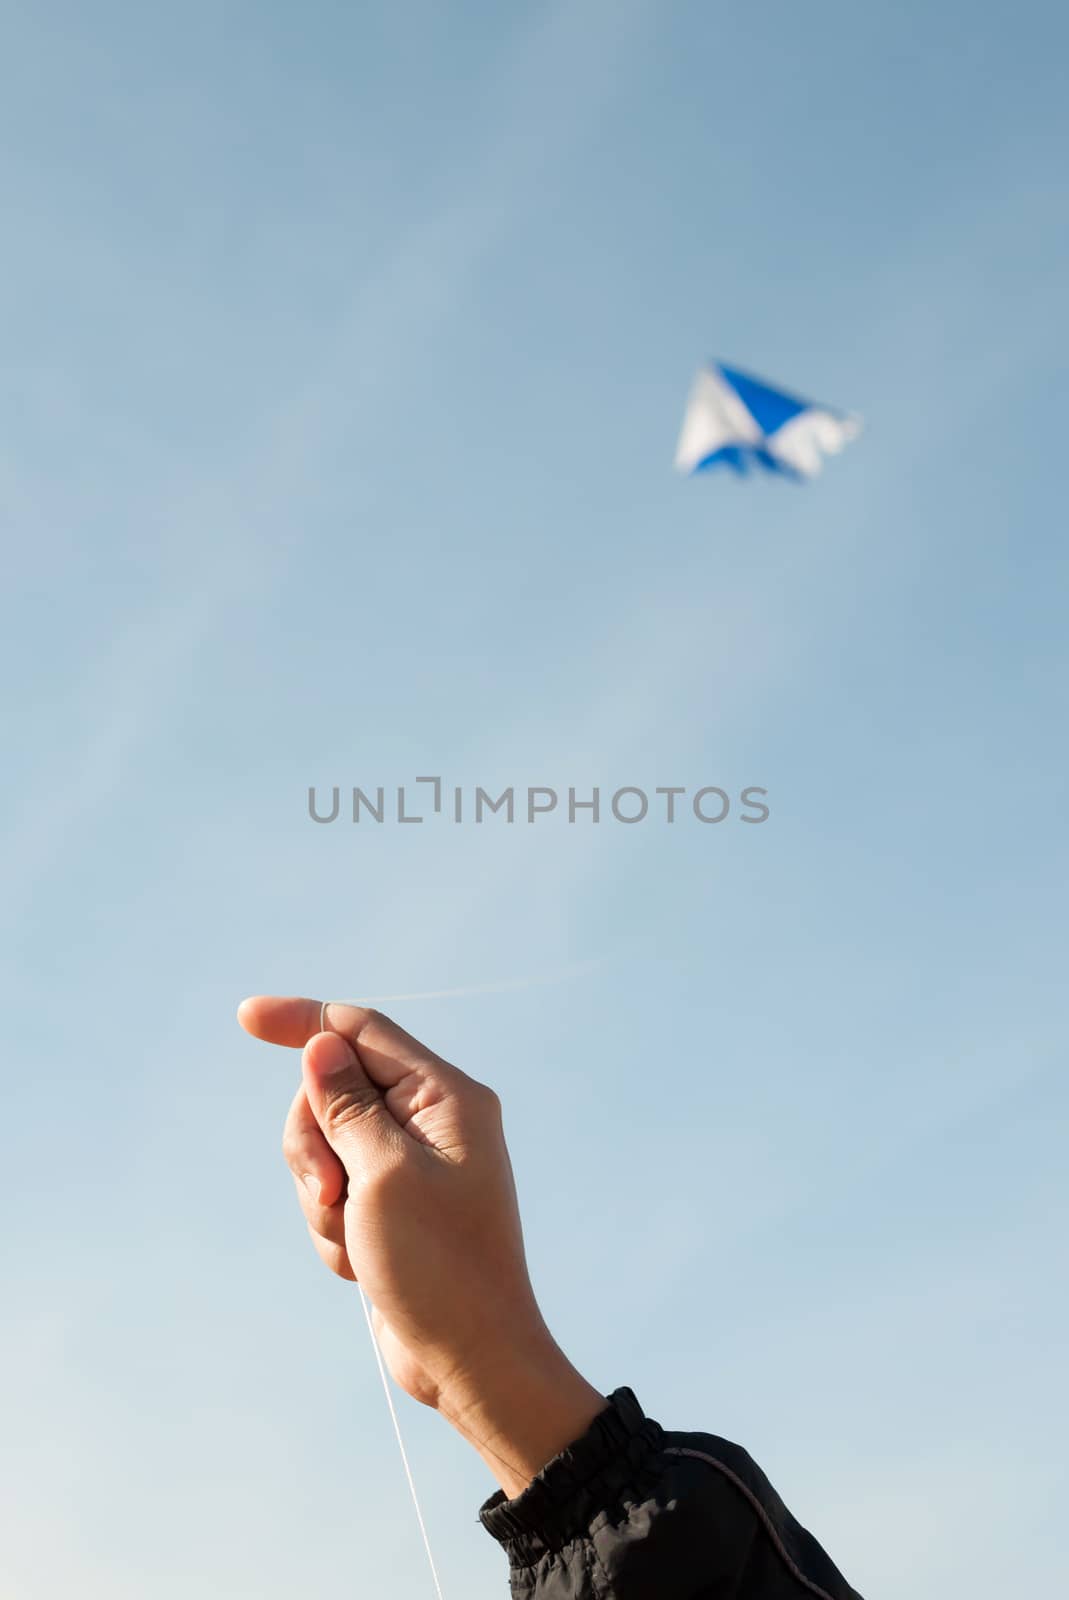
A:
559,1504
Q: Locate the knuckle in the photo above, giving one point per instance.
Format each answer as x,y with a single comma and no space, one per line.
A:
352,1105
487,1099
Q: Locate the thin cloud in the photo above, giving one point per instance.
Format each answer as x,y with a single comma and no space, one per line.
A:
536,980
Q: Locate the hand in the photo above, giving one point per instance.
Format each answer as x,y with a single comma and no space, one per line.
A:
404,1178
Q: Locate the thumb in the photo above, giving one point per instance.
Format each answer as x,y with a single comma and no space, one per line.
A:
348,1107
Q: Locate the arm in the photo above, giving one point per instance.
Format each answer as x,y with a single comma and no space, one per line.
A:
404,1179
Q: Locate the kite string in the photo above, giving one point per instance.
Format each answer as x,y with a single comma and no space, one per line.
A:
389,1394
400,1442
536,980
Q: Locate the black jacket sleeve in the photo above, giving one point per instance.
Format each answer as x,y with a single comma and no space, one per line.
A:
630,1512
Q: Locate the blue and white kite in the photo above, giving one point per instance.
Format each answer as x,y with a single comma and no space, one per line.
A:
737,421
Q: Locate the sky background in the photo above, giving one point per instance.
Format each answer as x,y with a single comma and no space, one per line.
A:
342,354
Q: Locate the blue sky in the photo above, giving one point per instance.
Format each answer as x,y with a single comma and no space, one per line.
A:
342,352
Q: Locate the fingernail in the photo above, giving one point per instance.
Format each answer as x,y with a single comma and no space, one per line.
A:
313,1185
333,1056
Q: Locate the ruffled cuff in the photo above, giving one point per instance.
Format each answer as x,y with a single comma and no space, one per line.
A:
561,1502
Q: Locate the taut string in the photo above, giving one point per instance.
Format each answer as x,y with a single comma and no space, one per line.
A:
389,1395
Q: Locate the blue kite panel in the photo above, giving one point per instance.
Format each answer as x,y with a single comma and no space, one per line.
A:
770,408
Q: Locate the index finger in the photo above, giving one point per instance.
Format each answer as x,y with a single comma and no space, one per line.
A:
282,1020
387,1051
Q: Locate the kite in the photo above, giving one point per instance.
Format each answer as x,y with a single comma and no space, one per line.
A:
736,420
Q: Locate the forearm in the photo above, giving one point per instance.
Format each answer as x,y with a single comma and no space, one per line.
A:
521,1409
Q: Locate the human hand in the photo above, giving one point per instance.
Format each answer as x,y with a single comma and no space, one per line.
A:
416,1200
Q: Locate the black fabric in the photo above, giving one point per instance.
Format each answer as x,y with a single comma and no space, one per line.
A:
630,1512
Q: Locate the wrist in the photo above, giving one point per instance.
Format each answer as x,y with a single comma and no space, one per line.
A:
521,1408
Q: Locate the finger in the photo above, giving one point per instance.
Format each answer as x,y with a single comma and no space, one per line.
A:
326,1222
387,1052
336,1256
279,1020
348,1106
309,1156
